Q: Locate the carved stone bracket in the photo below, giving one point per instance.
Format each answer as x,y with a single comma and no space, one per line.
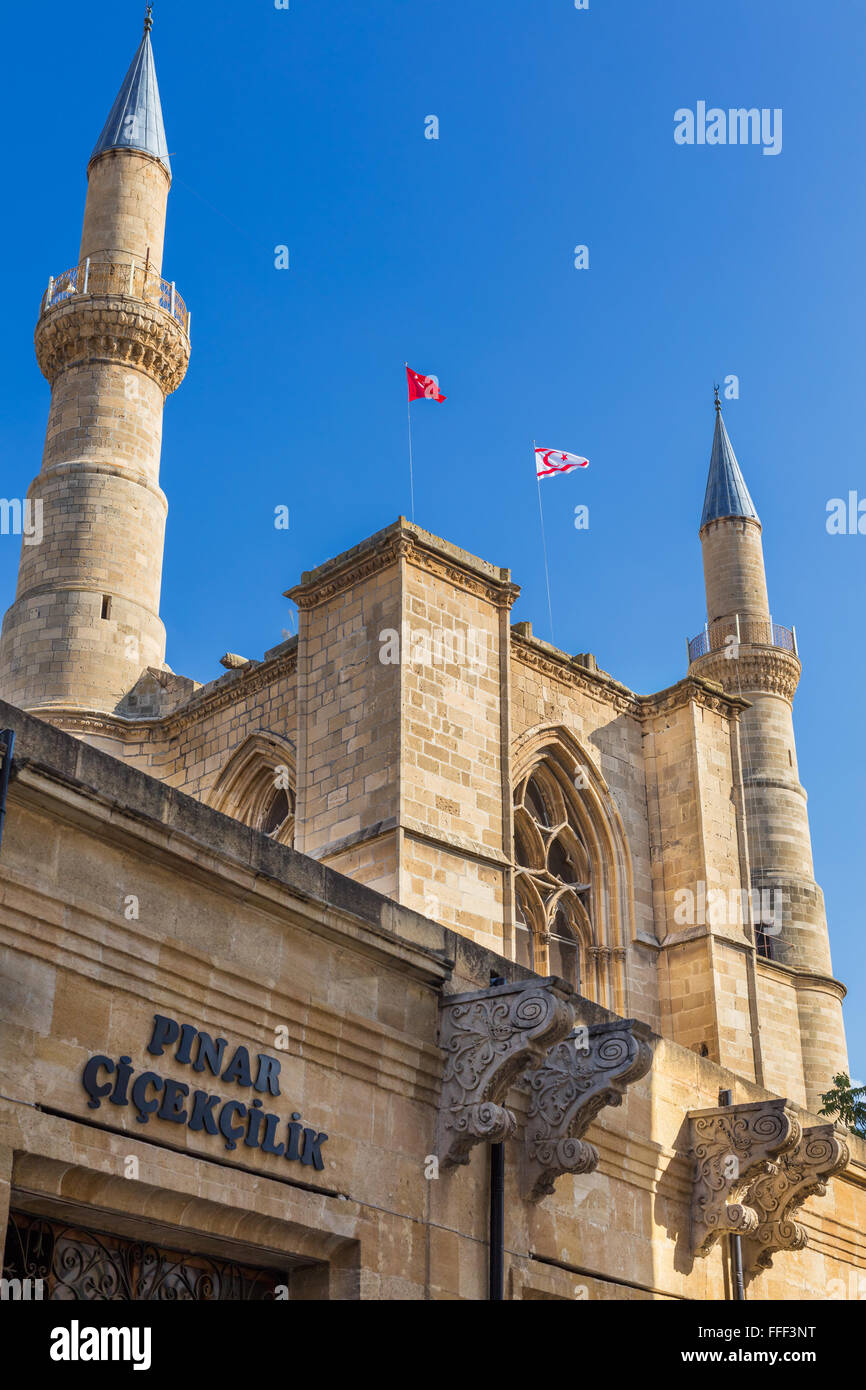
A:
577,1079
800,1173
731,1146
489,1038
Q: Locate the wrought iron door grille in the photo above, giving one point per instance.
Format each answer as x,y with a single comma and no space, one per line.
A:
77,1264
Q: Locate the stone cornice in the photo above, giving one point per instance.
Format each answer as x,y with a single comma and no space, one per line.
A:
559,666
800,978
248,681
739,522
201,705
698,690
460,844
764,670
405,541
250,866
113,328
600,686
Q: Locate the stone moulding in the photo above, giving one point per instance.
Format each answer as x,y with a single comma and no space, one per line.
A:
403,544
800,1173
577,1079
113,328
489,1038
769,670
731,1146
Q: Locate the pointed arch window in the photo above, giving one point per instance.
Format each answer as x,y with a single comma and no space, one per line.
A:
552,879
257,786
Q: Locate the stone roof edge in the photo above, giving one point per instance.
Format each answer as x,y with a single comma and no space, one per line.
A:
206,699
402,537
560,665
60,758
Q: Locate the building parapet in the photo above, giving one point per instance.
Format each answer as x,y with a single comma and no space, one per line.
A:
116,278
752,632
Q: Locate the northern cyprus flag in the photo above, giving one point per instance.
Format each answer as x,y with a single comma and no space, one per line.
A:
551,461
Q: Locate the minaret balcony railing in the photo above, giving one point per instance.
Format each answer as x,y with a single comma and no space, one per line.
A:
117,277
758,632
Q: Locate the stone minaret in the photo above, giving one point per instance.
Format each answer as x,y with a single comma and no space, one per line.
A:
113,341
750,655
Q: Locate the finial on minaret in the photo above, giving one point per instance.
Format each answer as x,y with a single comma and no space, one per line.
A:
135,120
717,402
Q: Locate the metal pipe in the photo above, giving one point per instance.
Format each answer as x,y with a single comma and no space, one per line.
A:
497,1206
736,1247
737,1263
7,744
86,275
497,1222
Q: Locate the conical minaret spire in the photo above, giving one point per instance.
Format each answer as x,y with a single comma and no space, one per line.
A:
726,494
135,121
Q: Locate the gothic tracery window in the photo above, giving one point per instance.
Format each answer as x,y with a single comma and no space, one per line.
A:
552,879
279,818
257,786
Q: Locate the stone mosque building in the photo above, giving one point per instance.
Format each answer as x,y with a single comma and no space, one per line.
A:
397,913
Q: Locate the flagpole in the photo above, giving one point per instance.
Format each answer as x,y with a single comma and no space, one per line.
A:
543,545
411,468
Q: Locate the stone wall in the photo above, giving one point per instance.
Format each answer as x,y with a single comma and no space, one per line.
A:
240,936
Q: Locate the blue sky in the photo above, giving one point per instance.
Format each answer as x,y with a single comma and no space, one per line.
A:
306,127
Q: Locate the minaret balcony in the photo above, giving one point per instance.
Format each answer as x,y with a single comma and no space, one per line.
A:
125,278
721,635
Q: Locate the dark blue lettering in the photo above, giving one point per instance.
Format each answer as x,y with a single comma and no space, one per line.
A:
312,1145
144,1106
202,1111
209,1052
89,1079
165,1030
238,1068
231,1132
172,1102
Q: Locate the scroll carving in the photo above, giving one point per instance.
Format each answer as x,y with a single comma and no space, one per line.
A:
800,1173
576,1080
732,1146
489,1038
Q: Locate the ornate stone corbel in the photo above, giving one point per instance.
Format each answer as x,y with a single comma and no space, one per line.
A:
801,1173
578,1077
489,1038
731,1146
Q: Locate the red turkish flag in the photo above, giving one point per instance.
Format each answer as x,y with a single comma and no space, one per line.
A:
423,387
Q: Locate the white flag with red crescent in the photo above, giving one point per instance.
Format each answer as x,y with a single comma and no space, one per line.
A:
551,461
